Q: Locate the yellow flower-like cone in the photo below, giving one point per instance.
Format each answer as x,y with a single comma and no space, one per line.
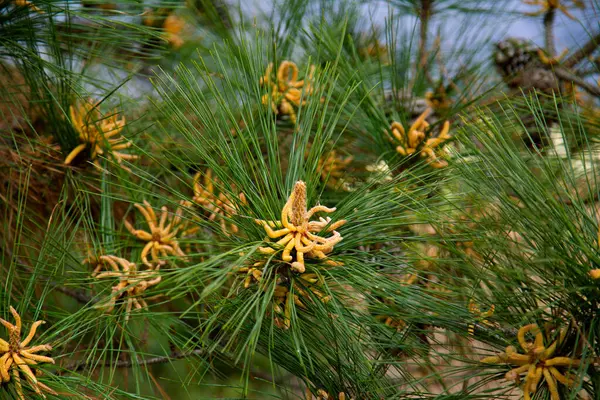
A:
16,356
286,89
537,362
413,141
161,236
99,135
298,232
132,283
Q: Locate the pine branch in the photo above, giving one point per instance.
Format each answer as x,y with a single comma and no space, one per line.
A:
583,52
75,294
176,355
483,329
424,16
549,32
589,71
84,365
566,75
81,297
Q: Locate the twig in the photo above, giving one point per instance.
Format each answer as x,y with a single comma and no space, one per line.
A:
507,332
176,355
75,294
594,69
424,16
549,32
569,76
83,365
583,52
284,379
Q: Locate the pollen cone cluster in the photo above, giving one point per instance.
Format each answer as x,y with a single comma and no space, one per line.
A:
414,141
132,282
538,362
332,168
480,316
161,237
100,135
219,207
17,357
26,3
173,27
298,232
299,290
286,89
283,297
439,100
323,395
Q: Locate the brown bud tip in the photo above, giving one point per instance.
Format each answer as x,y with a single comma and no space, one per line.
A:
300,189
299,203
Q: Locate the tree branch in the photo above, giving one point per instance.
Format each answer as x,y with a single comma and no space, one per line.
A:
424,16
594,69
569,76
549,32
75,294
84,365
583,52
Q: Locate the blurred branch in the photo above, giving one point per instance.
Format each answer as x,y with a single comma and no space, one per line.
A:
75,294
594,69
569,76
83,365
176,355
486,330
583,52
424,16
549,32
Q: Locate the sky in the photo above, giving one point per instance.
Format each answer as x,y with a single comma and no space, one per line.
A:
509,22
568,32
513,23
